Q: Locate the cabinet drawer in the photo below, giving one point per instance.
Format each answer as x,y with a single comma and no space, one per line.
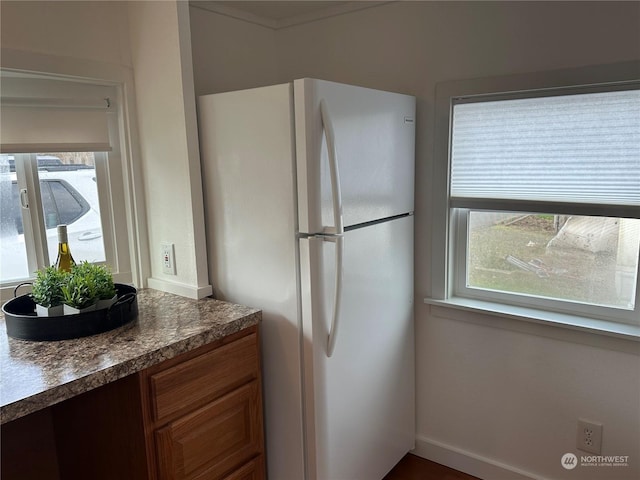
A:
214,440
254,470
199,380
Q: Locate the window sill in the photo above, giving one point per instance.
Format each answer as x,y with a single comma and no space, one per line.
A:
486,312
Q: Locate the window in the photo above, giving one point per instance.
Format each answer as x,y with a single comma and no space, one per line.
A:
60,158
544,199
68,194
569,263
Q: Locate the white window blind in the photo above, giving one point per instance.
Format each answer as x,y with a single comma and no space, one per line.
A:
568,149
29,125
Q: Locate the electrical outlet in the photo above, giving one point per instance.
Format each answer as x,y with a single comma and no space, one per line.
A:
168,258
589,436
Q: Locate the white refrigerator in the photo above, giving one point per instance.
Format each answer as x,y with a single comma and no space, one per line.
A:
309,198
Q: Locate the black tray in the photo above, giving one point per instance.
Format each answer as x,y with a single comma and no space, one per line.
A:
22,321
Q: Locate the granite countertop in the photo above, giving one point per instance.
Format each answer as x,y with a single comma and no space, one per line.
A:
35,375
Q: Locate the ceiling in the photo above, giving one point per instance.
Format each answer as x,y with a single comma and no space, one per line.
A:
280,14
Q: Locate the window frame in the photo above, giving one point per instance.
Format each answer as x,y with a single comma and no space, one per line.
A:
449,236
460,219
110,170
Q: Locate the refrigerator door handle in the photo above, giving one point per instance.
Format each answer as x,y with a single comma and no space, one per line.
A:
333,169
337,294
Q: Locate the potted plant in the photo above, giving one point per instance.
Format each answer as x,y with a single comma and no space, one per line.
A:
47,292
79,292
105,289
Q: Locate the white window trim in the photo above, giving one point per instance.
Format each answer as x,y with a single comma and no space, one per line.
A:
572,328
442,243
33,224
129,199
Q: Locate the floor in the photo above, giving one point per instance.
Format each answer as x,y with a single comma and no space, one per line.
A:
412,467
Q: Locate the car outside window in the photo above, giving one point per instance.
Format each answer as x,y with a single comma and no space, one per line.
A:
65,204
62,204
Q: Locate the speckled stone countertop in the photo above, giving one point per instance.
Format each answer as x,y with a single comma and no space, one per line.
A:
35,375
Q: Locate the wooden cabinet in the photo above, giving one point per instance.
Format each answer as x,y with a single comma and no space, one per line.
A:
197,416
213,440
204,413
253,470
180,385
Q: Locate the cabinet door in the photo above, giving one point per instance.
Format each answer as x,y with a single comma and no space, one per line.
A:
197,381
254,470
214,440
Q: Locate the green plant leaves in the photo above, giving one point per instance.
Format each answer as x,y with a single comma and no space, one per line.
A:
82,287
47,287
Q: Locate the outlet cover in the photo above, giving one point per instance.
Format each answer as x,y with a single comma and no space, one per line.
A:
168,258
589,436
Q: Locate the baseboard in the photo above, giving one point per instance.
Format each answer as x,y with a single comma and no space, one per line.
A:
181,289
468,462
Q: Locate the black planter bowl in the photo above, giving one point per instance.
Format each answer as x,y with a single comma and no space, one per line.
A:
23,323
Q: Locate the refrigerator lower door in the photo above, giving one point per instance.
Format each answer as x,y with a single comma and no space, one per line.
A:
359,403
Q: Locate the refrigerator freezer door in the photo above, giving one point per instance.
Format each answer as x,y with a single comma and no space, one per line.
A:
374,143
359,403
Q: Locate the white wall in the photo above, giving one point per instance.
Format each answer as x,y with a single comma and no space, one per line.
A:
230,55
496,397
161,57
89,30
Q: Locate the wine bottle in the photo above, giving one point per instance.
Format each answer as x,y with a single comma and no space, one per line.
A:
65,261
